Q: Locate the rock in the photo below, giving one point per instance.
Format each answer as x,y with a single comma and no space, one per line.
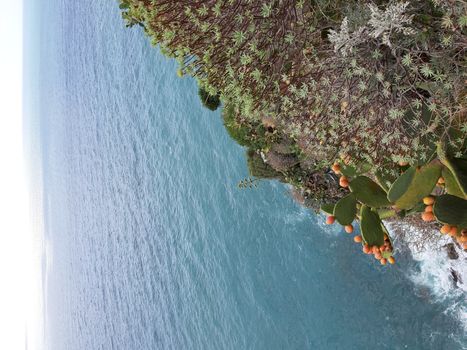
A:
451,250
280,162
456,278
297,195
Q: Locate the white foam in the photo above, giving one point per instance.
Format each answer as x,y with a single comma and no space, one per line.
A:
445,278
331,230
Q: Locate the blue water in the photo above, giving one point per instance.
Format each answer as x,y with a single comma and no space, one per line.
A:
151,245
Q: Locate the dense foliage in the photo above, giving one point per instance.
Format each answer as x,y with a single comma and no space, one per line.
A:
377,88
375,80
211,102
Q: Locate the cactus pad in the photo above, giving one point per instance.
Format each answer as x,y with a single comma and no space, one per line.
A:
328,208
384,180
372,231
346,209
348,170
452,186
458,167
413,185
451,210
369,192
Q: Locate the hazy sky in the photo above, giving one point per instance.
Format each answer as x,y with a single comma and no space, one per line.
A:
16,290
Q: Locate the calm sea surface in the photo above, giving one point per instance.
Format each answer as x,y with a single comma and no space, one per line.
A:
151,245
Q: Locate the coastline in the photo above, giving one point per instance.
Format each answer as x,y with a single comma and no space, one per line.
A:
440,266
281,285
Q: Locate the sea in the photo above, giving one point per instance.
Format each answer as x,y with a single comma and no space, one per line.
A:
145,241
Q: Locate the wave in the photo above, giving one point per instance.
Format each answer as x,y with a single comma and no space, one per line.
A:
440,267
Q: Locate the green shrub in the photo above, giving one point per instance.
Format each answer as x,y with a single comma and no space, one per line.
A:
240,133
211,102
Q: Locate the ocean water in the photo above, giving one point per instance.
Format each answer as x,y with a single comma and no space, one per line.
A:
147,242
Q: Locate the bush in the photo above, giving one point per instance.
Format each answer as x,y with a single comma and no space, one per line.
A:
211,102
240,133
248,133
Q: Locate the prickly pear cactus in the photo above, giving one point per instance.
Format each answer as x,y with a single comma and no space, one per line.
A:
380,196
348,170
369,192
370,224
451,210
451,184
346,210
458,168
328,208
413,185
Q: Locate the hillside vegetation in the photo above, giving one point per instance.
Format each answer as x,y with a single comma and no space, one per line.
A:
360,105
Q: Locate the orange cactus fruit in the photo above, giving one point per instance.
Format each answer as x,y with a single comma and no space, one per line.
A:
330,220
428,200
366,249
391,260
378,256
383,261
445,229
336,168
357,239
441,181
348,228
428,217
343,181
429,209
453,231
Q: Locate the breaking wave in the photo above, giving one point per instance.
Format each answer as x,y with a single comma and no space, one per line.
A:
440,267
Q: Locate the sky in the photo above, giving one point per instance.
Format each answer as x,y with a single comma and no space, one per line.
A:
17,293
